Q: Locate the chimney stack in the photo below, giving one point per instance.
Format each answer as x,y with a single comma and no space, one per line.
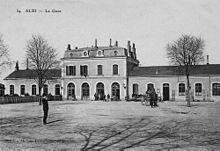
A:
96,43
129,48
110,42
134,51
68,47
16,66
116,43
207,59
27,64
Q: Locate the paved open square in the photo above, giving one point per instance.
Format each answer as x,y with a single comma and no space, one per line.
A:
96,125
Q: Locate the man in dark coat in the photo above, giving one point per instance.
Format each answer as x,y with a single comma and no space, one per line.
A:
45,108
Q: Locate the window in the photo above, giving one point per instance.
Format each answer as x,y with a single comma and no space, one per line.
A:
85,90
57,89
115,53
34,89
135,89
182,89
100,53
45,89
99,69
12,88
216,89
70,70
198,89
22,90
115,69
85,54
84,70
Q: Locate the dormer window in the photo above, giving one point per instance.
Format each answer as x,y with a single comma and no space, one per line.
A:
100,53
115,53
85,53
71,55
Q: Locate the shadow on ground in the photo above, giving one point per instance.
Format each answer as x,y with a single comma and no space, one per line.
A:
146,134
130,133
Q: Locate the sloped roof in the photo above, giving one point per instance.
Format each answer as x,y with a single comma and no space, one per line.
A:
31,74
208,69
107,50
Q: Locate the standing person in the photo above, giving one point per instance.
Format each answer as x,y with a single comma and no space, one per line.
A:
155,97
45,108
150,95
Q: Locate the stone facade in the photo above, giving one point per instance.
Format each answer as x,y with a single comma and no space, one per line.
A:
96,72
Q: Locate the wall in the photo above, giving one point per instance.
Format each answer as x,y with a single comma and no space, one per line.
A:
174,83
28,85
92,79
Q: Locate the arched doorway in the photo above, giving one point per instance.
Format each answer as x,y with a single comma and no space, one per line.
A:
71,91
100,92
115,91
166,91
85,91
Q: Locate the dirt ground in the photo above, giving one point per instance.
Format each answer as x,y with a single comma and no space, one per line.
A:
121,126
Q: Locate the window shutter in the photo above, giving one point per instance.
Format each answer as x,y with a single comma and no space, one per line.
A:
67,70
74,70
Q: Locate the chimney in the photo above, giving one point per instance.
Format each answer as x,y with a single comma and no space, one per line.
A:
129,48
96,43
16,66
116,43
68,47
134,51
207,59
110,42
27,64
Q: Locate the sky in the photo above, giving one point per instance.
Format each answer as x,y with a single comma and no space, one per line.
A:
150,24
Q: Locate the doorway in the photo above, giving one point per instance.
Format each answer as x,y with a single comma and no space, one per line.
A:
71,91
100,92
115,91
166,92
85,91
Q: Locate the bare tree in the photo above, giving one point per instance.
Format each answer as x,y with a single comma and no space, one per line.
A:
186,52
4,54
42,57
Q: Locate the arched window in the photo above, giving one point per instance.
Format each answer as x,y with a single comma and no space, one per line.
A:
135,89
115,69
57,89
71,91
34,90
85,91
198,89
99,69
182,89
12,89
216,89
22,90
115,91
45,89
100,92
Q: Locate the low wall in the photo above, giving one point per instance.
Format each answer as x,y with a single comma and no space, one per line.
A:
25,99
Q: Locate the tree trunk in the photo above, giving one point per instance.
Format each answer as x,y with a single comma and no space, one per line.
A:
188,92
39,90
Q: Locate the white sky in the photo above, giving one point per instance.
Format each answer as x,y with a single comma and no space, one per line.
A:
150,24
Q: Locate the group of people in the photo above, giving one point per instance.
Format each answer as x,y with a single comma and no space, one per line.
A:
101,96
151,96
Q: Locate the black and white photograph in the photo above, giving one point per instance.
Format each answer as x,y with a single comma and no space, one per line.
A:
109,75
